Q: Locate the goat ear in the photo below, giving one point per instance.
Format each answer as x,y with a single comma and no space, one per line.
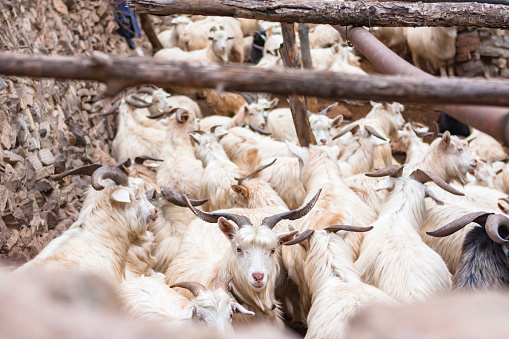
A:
246,109
373,103
430,194
121,195
238,308
241,190
287,237
195,137
187,313
337,121
227,228
446,139
299,152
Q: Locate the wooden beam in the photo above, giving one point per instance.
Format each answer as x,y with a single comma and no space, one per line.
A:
344,13
146,25
307,62
119,73
290,55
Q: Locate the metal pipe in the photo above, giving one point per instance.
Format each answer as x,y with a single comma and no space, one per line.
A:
491,120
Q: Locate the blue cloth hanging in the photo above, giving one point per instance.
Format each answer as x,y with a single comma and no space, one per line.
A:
127,22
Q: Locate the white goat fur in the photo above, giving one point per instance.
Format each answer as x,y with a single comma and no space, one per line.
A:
393,256
337,290
322,36
180,169
485,147
434,47
98,242
132,139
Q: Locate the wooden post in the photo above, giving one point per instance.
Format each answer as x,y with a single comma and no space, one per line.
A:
307,62
290,55
344,13
146,25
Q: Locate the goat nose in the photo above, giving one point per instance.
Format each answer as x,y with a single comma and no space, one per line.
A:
258,276
323,141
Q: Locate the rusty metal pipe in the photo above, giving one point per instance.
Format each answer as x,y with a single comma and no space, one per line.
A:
491,120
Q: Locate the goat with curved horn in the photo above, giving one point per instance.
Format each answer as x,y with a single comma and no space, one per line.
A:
137,101
108,172
259,130
352,128
349,228
176,198
493,225
419,133
374,133
300,238
194,287
255,172
394,171
240,220
271,221
424,176
83,170
458,224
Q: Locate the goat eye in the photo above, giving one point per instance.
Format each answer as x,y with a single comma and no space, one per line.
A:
273,251
239,250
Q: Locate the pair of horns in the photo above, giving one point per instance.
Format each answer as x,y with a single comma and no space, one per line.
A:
241,220
355,127
419,133
396,171
99,172
249,97
328,109
196,288
136,101
255,172
492,223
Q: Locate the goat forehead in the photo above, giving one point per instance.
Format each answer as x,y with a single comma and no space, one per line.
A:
319,122
257,237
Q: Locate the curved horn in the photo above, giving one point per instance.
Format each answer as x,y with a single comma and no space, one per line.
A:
213,128
373,132
328,108
168,111
194,287
259,130
255,172
83,170
141,159
493,225
181,114
418,133
176,199
224,283
146,90
151,194
240,220
424,176
250,98
137,102
349,228
271,221
394,171
265,95
108,172
123,164
112,109
346,130
456,225
435,131
300,238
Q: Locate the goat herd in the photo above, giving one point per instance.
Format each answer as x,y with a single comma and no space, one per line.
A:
227,221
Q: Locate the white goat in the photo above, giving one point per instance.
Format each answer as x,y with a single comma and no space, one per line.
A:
393,256
342,62
114,213
170,38
322,36
149,298
433,48
180,169
132,139
336,288
216,50
252,253
485,147
416,149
